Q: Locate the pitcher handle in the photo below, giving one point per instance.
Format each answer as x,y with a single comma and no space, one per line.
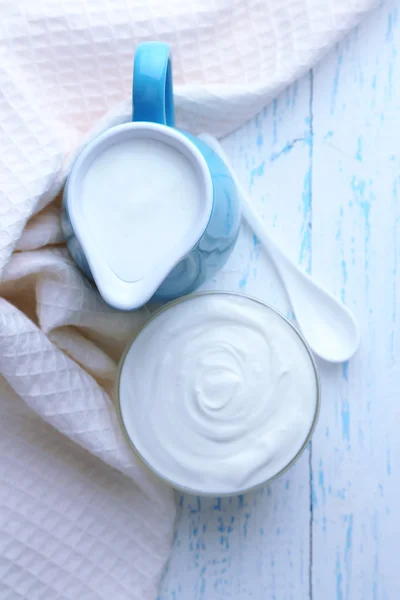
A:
152,94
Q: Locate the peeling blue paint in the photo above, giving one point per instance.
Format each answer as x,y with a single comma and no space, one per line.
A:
389,30
243,281
345,370
245,524
321,482
348,552
203,583
364,203
305,246
358,186
339,577
345,414
288,147
359,155
255,172
349,534
218,505
344,279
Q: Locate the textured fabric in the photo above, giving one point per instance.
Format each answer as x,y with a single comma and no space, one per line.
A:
80,518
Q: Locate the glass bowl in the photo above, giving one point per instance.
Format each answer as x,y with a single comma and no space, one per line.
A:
207,492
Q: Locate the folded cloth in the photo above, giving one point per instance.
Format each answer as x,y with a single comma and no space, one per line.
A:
80,517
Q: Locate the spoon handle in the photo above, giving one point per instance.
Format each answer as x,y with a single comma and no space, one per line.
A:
327,325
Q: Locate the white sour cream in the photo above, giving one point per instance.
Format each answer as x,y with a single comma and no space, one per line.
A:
218,393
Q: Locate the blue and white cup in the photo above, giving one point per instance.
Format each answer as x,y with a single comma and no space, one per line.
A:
93,235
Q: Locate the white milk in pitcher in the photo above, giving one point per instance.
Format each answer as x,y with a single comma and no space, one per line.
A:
140,197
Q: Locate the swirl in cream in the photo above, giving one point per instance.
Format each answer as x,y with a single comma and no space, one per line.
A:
218,393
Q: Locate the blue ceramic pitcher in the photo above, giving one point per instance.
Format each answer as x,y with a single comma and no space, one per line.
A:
184,263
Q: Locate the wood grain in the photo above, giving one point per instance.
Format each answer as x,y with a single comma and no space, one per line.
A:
323,168
355,250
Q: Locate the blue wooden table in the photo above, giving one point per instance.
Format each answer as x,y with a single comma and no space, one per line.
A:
322,165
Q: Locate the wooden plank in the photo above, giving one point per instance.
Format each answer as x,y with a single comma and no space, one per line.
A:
257,546
355,249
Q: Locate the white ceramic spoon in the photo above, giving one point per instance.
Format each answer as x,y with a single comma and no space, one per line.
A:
328,326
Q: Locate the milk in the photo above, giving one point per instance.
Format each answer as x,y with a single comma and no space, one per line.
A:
140,198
